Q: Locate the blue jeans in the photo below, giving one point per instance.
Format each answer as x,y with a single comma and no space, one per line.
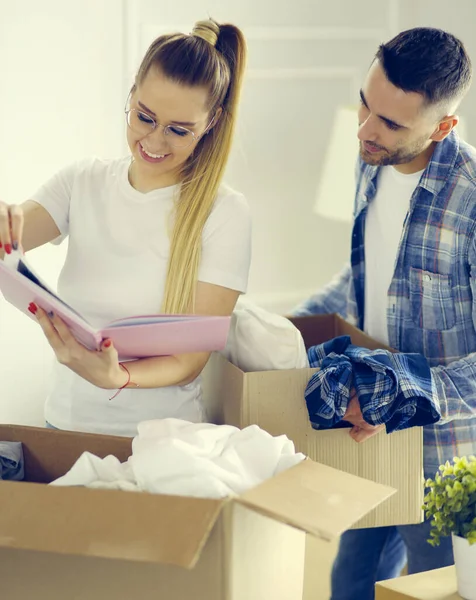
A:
366,556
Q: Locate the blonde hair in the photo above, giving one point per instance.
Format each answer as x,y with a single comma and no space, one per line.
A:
214,56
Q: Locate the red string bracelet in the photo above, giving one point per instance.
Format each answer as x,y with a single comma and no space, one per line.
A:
125,385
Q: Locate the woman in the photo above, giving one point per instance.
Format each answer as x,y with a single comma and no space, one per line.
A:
158,233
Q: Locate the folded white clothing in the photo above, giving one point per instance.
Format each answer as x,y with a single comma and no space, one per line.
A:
260,340
176,457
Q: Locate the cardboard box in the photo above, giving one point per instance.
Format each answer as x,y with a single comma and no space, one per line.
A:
274,400
439,584
87,544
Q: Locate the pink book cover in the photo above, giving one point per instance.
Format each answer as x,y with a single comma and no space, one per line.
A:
134,337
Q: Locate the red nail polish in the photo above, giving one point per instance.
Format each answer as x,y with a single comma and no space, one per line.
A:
8,248
107,343
1,245
32,308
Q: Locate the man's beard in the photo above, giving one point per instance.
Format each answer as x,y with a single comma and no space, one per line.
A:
397,157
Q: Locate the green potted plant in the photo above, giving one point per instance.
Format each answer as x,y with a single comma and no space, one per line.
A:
451,505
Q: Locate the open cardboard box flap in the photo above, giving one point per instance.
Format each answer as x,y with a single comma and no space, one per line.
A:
317,499
151,527
105,523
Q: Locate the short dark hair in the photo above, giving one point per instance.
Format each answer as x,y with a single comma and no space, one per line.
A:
428,61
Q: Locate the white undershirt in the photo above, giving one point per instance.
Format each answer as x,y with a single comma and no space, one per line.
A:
383,230
116,267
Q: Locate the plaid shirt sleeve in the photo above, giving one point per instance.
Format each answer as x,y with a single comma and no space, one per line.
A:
455,386
333,298
392,388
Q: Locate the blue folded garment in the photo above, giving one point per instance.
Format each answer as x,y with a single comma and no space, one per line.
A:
11,461
394,389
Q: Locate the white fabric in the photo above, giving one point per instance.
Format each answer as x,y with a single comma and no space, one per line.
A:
383,231
116,267
263,341
188,459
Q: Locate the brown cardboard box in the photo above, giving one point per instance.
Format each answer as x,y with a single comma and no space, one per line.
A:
88,544
274,400
432,585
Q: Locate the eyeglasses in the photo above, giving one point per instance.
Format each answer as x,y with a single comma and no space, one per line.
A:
143,124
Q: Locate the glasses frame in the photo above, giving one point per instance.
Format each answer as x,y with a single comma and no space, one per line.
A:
166,128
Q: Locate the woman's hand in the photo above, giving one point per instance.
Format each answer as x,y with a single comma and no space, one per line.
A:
101,368
11,227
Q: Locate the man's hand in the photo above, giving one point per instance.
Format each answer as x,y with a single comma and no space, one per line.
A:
361,430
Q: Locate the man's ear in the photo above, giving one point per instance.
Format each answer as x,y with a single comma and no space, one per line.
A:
444,128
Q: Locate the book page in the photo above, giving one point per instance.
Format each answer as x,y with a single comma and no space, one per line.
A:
24,269
149,319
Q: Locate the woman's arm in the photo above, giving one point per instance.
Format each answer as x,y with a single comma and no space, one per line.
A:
181,369
102,368
29,225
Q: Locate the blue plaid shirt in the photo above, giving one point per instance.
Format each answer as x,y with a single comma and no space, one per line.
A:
395,389
431,306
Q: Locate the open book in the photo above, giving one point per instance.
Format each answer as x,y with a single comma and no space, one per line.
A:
134,337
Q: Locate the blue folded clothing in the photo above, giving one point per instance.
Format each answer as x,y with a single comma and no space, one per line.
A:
392,388
11,461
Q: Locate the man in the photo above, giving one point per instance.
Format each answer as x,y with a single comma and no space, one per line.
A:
411,281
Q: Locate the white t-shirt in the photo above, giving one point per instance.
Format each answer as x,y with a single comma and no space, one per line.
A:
116,267
383,231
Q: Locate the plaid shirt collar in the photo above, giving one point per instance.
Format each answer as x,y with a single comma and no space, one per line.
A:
434,178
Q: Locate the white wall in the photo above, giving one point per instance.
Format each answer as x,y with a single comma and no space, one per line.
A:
61,69
459,18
